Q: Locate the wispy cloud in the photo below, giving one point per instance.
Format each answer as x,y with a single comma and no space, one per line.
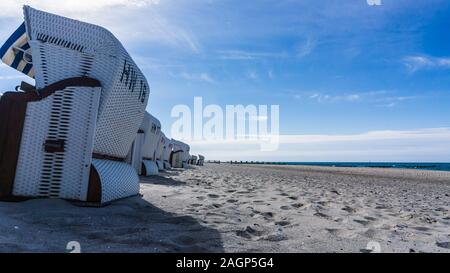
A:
382,98
393,101
328,98
249,55
253,75
204,77
415,63
305,48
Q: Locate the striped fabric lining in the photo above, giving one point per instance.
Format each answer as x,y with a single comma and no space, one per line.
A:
16,52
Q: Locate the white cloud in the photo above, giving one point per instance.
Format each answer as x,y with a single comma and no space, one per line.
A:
306,48
205,77
252,75
248,55
429,144
415,63
327,98
382,98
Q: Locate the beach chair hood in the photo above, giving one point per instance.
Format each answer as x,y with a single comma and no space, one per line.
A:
85,110
64,48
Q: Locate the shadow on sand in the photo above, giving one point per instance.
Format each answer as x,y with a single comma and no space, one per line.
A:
161,180
128,225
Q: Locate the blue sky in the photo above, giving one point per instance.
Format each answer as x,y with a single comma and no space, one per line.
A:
336,68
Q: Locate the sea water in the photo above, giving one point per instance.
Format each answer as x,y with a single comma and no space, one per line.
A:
402,165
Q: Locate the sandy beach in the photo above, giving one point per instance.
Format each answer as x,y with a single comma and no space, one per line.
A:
247,208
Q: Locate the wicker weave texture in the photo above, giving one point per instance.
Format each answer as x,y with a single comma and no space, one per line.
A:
160,147
135,157
152,136
64,48
167,150
118,179
150,167
68,115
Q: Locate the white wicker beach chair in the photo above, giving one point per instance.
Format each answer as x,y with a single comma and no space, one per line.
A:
166,153
180,154
176,159
135,155
193,160
186,155
159,151
152,136
69,137
201,160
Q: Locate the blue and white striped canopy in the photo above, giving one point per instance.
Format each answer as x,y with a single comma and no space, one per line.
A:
16,52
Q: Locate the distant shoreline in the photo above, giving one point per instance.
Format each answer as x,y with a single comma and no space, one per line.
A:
432,166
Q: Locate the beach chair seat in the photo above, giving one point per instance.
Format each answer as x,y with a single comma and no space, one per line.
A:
75,128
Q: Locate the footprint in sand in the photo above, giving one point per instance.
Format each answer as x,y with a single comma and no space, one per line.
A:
323,203
211,195
285,207
282,223
217,205
349,209
322,215
370,233
382,207
249,232
370,218
344,233
276,237
362,222
268,214
297,205
421,228
443,244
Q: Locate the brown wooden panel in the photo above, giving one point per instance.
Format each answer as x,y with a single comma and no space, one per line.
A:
95,186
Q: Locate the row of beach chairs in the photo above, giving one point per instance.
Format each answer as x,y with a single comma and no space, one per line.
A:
82,132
